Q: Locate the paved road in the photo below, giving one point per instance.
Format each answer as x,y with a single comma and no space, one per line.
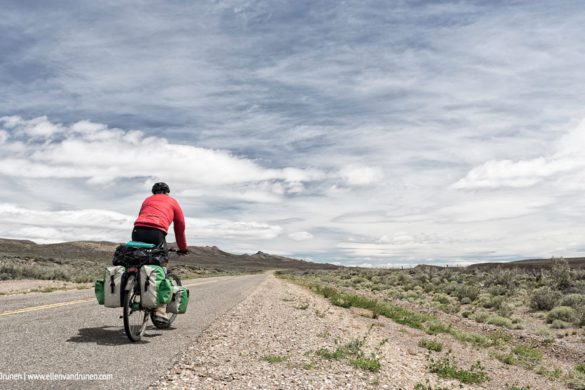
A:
67,332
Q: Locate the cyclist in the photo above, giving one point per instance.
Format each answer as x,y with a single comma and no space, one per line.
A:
156,215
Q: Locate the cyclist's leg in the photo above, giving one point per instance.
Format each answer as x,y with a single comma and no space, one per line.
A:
161,311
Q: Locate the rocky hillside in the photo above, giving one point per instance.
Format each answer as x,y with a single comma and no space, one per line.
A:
205,257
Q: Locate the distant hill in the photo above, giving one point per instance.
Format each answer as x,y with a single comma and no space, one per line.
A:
574,262
205,257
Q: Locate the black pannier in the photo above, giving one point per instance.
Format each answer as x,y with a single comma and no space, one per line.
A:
136,257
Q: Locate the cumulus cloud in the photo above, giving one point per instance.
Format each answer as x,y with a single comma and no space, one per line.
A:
568,156
361,175
100,154
249,127
300,236
75,225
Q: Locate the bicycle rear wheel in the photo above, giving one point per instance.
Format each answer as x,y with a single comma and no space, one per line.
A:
172,315
135,318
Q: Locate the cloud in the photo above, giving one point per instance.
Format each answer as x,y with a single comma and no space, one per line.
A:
301,236
361,175
568,157
75,225
99,154
493,208
403,131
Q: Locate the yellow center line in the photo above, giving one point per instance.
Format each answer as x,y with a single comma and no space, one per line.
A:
198,284
204,282
68,303
44,307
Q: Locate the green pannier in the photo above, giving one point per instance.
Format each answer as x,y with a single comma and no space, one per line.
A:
179,301
99,291
155,288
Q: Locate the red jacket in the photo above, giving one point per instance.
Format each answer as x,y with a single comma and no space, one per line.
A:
159,211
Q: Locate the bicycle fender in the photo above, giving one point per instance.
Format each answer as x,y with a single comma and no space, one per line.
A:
129,283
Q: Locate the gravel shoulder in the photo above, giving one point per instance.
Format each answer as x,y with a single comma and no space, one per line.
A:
25,286
270,341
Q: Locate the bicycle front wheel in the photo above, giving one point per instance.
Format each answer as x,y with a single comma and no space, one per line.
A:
135,318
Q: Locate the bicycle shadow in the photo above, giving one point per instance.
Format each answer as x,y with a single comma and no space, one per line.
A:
110,336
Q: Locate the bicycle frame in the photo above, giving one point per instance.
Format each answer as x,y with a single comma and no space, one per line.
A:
130,292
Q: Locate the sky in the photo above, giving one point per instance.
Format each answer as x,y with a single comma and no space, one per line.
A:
373,133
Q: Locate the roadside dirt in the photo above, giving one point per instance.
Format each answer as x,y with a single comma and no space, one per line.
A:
271,339
24,286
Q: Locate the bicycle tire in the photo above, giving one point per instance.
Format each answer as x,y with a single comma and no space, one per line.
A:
158,325
134,326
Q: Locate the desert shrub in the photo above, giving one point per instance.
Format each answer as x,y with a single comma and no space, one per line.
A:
442,298
275,358
573,300
421,386
403,278
50,269
501,277
507,358
580,316
435,327
465,301
543,331
431,345
560,324
481,316
449,309
483,299
412,295
526,355
421,278
500,321
447,369
555,373
561,274
451,288
497,301
563,313
472,338
468,292
505,309
500,337
498,290
577,382
544,298
488,301
369,364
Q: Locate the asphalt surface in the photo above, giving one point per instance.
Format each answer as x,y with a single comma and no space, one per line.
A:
68,333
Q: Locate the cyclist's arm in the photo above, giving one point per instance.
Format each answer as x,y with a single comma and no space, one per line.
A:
179,226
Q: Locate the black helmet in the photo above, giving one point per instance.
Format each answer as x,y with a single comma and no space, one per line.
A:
160,188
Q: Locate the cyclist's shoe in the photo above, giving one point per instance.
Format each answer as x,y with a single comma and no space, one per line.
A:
160,319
